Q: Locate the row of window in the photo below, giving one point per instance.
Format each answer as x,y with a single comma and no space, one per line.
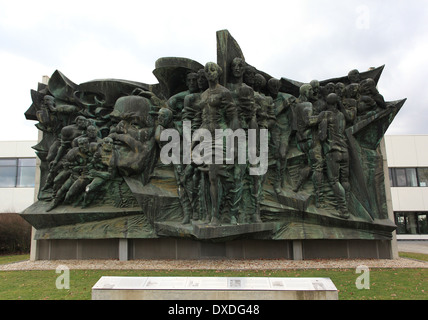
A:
408,177
17,172
411,222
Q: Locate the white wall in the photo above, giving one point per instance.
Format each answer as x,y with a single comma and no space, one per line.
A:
15,200
410,199
407,151
17,149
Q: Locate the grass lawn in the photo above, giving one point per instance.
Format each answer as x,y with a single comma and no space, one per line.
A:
385,284
411,255
14,258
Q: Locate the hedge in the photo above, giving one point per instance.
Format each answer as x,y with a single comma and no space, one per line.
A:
15,234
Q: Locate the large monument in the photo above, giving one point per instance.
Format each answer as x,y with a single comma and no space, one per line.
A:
215,161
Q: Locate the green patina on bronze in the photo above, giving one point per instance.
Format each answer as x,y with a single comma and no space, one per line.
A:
101,174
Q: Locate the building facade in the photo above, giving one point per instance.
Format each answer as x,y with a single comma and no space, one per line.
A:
407,158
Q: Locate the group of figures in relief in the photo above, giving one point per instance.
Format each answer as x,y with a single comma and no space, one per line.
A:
100,147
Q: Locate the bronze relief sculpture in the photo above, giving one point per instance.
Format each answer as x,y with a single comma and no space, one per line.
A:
315,145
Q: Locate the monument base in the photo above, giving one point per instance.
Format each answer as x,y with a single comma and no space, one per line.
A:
188,249
213,288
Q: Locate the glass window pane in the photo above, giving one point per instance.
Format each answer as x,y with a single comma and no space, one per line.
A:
391,181
7,162
26,176
423,177
400,221
7,177
422,224
30,162
412,180
401,177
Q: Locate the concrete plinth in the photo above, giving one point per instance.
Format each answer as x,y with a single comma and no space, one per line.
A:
213,288
188,249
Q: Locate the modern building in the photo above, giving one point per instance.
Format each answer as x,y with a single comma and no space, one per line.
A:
407,158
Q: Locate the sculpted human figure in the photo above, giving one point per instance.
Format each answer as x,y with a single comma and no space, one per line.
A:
246,107
192,108
52,114
249,76
349,103
192,112
76,161
182,110
218,112
248,113
259,82
202,80
165,119
308,141
218,109
265,107
68,134
176,102
339,88
48,119
238,68
236,79
281,130
93,137
181,171
335,149
370,100
81,166
317,99
316,88
102,169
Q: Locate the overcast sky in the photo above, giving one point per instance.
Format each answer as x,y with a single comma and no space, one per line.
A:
299,40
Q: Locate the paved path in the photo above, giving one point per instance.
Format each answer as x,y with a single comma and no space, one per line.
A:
215,264
413,246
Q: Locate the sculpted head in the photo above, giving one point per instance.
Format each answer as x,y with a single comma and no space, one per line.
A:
237,67
306,91
273,86
249,75
354,76
259,82
135,128
315,86
192,82
212,71
202,80
332,99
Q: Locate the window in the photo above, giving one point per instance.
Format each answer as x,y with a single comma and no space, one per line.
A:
408,177
26,173
422,223
8,173
423,177
411,222
17,172
400,178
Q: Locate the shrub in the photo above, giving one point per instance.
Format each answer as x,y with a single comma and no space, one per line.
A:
15,234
